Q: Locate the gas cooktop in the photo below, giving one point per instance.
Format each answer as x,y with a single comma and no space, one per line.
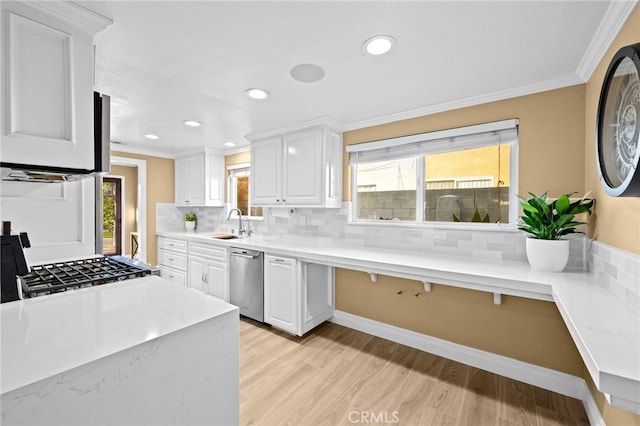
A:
74,274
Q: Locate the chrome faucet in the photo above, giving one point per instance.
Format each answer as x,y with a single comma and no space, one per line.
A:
241,229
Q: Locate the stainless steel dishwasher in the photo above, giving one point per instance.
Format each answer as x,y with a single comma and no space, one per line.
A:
246,282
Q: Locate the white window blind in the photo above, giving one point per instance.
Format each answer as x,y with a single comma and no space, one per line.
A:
498,132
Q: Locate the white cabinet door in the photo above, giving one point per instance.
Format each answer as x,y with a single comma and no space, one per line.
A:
281,293
199,180
180,168
297,166
195,179
197,270
48,104
266,172
216,278
215,177
302,166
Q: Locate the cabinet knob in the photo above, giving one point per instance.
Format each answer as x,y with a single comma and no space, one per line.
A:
277,200
171,259
284,201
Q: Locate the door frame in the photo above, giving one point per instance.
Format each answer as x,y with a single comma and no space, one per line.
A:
122,197
141,201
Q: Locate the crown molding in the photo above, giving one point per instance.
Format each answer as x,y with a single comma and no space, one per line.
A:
557,83
132,149
71,13
614,19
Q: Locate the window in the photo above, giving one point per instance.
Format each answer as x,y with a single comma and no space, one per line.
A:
465,175
239,190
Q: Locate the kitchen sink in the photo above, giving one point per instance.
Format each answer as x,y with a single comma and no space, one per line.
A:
224,236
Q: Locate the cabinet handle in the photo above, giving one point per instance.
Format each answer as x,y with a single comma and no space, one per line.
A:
279,260
277,200
284,201
170,244
170,276
171,259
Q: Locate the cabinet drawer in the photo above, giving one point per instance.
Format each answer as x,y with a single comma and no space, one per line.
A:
174,275
171,244
209,252
173,260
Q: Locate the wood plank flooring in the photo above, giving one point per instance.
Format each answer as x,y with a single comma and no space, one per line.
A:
338,376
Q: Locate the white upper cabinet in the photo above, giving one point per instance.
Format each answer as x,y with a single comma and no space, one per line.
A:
297,166
199,180
47,58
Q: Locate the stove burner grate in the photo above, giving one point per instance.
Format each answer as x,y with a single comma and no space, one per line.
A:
75,274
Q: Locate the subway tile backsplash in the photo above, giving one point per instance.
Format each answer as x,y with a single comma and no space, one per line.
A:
616,269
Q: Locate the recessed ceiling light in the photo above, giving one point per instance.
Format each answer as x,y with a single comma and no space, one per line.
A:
151,136
378,45
257,93
192,123
230,144
307,73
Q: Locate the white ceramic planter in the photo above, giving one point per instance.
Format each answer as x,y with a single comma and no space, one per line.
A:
548,255
190,226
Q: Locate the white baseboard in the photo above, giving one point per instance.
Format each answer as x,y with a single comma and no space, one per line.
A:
553,380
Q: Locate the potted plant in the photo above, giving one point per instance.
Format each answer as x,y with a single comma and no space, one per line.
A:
190,221
547,222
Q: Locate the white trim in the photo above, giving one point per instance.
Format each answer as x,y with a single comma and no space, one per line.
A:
561,82
142,199
238,166
133,149
555,381
614,19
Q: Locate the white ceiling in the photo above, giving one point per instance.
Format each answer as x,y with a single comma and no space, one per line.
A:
164,62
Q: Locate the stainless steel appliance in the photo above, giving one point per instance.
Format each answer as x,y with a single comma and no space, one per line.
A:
246,282
19,281
74,274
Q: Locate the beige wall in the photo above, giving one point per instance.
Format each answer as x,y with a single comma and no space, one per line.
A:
617,219
551,136
557,140
160,189
130,175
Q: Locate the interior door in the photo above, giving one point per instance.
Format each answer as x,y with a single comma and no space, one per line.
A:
111,216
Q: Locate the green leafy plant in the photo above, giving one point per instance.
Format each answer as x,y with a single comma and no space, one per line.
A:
190,217
549,220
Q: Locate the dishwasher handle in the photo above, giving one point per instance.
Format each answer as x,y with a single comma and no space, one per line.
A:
247,254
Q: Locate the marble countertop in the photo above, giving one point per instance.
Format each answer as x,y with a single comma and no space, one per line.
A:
48,335
605,329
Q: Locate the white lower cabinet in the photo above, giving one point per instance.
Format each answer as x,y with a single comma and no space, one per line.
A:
281,293
172,260
298,296
208,270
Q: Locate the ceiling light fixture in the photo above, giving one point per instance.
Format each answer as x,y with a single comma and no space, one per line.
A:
256,93
192,123
378,45
229,144
307,73
151,136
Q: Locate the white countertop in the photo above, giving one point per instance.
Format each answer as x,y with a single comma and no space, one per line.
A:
48,335
605,329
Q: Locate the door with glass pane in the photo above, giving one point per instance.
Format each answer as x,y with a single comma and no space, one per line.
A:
111,216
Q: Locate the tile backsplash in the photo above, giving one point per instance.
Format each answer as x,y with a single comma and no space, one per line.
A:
617,270
333,225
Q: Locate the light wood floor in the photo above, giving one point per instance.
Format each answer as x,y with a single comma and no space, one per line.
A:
339,376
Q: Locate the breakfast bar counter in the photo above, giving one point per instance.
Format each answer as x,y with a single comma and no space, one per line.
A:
605,329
